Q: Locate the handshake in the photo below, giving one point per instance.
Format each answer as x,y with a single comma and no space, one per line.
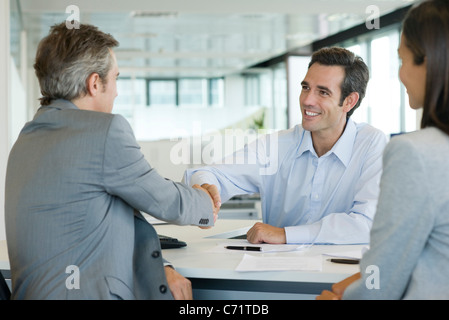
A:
259,233
214,194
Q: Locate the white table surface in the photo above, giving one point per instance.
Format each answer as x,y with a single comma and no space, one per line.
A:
199,260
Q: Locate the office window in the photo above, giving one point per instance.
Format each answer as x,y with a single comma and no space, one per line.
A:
131,92
162,92
156,108
252,90
385,90
385,105
216,92
280,97
193,92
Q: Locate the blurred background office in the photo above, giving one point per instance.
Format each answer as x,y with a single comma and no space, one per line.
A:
191,69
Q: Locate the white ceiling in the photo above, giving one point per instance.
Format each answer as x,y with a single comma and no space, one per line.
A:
174,38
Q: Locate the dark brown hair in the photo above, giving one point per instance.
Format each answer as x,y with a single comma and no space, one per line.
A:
356,71
426,34
67,57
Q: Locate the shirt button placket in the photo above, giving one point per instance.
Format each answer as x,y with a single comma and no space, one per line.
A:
317,188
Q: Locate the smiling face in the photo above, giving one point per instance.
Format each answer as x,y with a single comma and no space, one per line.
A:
320,98
412,76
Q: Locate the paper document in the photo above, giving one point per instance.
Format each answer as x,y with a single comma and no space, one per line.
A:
276,263
350,254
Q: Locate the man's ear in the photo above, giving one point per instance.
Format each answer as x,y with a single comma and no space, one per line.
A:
350,101
93,84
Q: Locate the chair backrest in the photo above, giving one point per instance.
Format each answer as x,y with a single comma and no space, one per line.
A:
5,293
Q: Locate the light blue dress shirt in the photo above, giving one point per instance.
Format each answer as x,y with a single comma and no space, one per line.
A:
327,199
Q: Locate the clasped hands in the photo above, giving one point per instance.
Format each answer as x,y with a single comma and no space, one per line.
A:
259,233
214,195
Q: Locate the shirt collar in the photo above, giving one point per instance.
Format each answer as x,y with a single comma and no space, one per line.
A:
305,143
342,148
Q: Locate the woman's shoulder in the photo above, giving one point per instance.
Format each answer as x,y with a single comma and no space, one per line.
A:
426,137
428,142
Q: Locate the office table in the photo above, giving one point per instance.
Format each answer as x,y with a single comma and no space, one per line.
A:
213,274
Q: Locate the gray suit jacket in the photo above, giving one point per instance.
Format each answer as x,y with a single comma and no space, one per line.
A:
76,181
409,248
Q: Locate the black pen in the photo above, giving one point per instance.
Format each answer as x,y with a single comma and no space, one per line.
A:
247,248
345,261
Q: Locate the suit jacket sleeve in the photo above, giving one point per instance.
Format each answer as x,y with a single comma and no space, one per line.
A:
130,177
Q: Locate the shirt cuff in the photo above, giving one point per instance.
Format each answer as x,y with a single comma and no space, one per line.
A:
302,234
201,177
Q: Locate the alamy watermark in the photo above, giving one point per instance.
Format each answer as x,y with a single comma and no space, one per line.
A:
373,19
254,147
373,280
73,280
73,20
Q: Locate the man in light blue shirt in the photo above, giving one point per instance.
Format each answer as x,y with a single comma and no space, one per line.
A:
318,181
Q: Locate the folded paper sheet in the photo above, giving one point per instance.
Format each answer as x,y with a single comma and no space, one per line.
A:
279,263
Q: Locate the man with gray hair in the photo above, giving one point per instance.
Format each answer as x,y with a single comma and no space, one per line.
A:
76,181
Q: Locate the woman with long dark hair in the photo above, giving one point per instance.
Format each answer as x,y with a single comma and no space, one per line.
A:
409,245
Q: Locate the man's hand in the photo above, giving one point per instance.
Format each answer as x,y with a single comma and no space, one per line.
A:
213,193
338,288
215,196
180,287
262,232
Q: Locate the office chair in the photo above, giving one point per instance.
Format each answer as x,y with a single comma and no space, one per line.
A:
5,293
